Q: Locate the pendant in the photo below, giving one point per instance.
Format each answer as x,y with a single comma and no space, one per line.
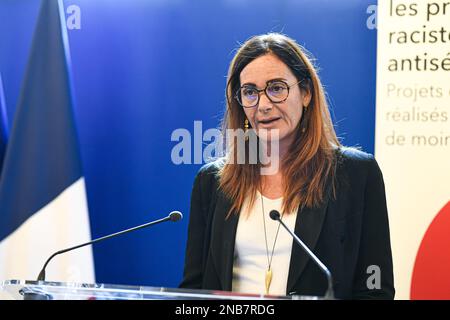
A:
268,279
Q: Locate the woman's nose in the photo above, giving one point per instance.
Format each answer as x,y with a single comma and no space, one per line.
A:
265,105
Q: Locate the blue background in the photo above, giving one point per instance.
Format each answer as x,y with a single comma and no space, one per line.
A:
142,69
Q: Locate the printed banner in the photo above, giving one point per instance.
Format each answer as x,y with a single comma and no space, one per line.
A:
413,141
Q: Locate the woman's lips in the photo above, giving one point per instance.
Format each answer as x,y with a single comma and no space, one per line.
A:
268,123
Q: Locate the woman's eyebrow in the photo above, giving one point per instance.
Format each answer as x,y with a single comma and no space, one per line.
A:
249,84
276,79
268,81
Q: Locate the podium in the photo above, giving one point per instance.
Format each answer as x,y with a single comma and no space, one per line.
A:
43,290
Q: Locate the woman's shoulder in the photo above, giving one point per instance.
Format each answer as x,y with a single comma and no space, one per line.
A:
356,162
353,156
209,172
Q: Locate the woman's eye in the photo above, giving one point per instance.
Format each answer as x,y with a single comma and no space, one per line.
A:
248,92
277,88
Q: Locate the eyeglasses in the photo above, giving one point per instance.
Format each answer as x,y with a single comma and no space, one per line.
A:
276,91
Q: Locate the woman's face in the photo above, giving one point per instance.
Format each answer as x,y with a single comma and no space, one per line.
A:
268,115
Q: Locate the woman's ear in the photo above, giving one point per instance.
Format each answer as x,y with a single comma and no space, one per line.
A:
306,98
306,93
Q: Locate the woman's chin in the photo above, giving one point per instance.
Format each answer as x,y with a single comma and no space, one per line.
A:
269,134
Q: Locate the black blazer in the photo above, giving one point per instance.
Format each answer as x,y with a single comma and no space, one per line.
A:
348,233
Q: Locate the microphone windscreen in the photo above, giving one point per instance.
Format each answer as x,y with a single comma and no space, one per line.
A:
175,216
274,215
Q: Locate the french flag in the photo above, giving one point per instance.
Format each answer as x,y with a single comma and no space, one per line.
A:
43,206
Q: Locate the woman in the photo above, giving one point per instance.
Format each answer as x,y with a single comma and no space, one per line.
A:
333,197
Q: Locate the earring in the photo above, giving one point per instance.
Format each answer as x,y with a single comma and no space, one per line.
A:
246,129
246,125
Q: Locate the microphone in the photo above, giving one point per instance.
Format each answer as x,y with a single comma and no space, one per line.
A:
275,215
174,216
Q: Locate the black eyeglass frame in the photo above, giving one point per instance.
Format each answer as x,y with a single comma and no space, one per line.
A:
268,83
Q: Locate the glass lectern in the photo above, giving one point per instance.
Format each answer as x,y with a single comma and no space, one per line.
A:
44,290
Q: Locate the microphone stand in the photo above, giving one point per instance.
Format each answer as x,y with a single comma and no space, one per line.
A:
173,216
275,215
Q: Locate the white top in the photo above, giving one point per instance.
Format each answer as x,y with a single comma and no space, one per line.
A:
250,255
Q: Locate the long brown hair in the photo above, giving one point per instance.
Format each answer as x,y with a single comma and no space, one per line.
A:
310,161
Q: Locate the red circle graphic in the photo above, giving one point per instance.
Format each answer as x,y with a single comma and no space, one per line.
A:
431,274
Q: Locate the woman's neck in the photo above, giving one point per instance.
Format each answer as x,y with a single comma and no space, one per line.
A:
278,153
